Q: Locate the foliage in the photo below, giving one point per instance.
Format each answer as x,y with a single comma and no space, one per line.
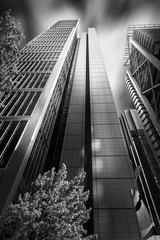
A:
53,209
11,34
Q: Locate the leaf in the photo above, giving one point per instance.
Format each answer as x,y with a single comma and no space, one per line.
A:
11,34
54,208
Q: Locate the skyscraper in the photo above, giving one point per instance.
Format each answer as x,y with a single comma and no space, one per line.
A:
142,57
30,111
142,129
65,113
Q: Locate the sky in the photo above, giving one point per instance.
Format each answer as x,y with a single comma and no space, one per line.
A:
109,17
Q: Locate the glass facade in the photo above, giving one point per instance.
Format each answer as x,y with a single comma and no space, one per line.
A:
73,143
107,162
112,174
30,108
66,113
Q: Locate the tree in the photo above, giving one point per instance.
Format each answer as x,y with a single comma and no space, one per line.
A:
54,208
11,34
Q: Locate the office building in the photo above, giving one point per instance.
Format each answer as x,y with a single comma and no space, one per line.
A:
31,107
142,128
143,77
63,112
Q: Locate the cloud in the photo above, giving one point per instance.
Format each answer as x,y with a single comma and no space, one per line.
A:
45,13
109,17
112,36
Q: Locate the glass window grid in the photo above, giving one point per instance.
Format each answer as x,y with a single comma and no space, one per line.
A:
34,164
106,131
73,145
74,128
101,99
111,166
50,114
99,84
47,48
116,224
108,146
73,141
37,66
11,131
103,108
48,118
100,92
31,80
21,103
104,118
62,77
59,33
28,56
108,143
73,158
45,42
117,190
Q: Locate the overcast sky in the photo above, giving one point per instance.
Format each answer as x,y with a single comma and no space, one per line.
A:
109,17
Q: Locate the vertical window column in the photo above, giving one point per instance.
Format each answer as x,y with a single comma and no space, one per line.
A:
73,144
88,147
112,173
